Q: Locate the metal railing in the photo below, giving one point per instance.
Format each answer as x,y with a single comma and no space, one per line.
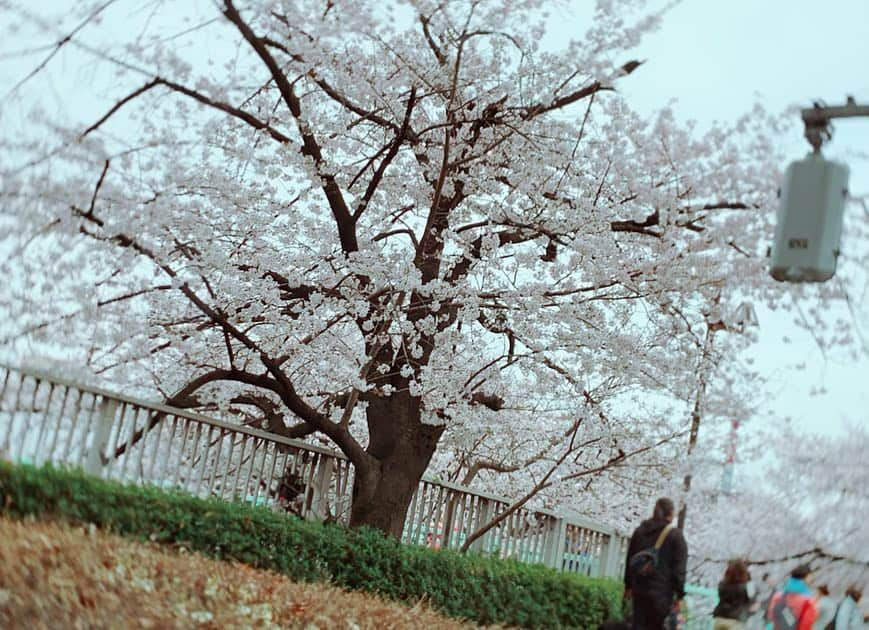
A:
44,418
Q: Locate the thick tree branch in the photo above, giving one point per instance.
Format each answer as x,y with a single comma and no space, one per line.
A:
330,91
639,227
184,398
426,31
406,231
274,417
310,147
487,464
287,392
505,237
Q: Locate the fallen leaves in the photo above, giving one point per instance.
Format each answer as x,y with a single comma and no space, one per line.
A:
59,576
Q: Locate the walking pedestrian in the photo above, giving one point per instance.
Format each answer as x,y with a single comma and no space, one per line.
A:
655,568
736,595
826,609
849,617
794,607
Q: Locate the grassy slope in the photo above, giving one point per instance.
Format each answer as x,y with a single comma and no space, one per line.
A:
54,575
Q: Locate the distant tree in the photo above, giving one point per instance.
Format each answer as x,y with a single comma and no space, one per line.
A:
806,503
377,222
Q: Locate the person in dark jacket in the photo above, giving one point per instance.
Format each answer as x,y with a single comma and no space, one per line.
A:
654,596
736,595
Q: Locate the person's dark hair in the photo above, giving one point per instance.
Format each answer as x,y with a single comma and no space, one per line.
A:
801,571
854,592
664,509
765,577
736,572
824,590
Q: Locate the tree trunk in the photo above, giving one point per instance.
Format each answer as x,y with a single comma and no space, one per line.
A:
401,448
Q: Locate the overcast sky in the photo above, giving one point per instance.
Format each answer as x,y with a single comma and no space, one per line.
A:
711,60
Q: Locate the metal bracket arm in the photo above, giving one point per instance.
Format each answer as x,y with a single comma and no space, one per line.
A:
817,120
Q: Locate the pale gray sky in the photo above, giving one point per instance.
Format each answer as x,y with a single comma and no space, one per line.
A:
714,60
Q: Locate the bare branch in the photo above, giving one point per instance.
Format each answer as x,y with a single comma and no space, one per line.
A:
407,231
393,151
98,186
119,104
533,111
248,118
544,482
57,46
438,53
43,325
818,553
310,147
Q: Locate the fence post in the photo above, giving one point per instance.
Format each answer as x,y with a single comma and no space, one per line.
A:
448,518
486,513
320,491
613,556
554,556
95,457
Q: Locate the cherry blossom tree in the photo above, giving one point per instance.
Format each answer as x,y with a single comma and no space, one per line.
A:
805,501
621,462
391,225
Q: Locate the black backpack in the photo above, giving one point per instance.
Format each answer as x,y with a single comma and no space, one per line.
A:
644,564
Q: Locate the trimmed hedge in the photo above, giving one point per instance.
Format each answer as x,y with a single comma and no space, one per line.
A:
473,587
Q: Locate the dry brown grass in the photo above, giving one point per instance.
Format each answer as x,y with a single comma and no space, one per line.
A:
59,576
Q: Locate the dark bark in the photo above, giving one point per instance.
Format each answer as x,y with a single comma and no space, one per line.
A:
400,449
702,380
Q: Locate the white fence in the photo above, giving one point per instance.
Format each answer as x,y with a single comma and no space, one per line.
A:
45,418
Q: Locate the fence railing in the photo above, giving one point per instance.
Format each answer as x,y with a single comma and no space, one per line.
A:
45,418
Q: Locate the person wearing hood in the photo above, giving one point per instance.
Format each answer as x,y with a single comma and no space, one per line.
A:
794,607
655,568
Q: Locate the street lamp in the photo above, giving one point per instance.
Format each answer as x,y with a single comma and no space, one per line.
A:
812,204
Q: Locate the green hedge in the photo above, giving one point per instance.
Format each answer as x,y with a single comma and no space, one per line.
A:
473,587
